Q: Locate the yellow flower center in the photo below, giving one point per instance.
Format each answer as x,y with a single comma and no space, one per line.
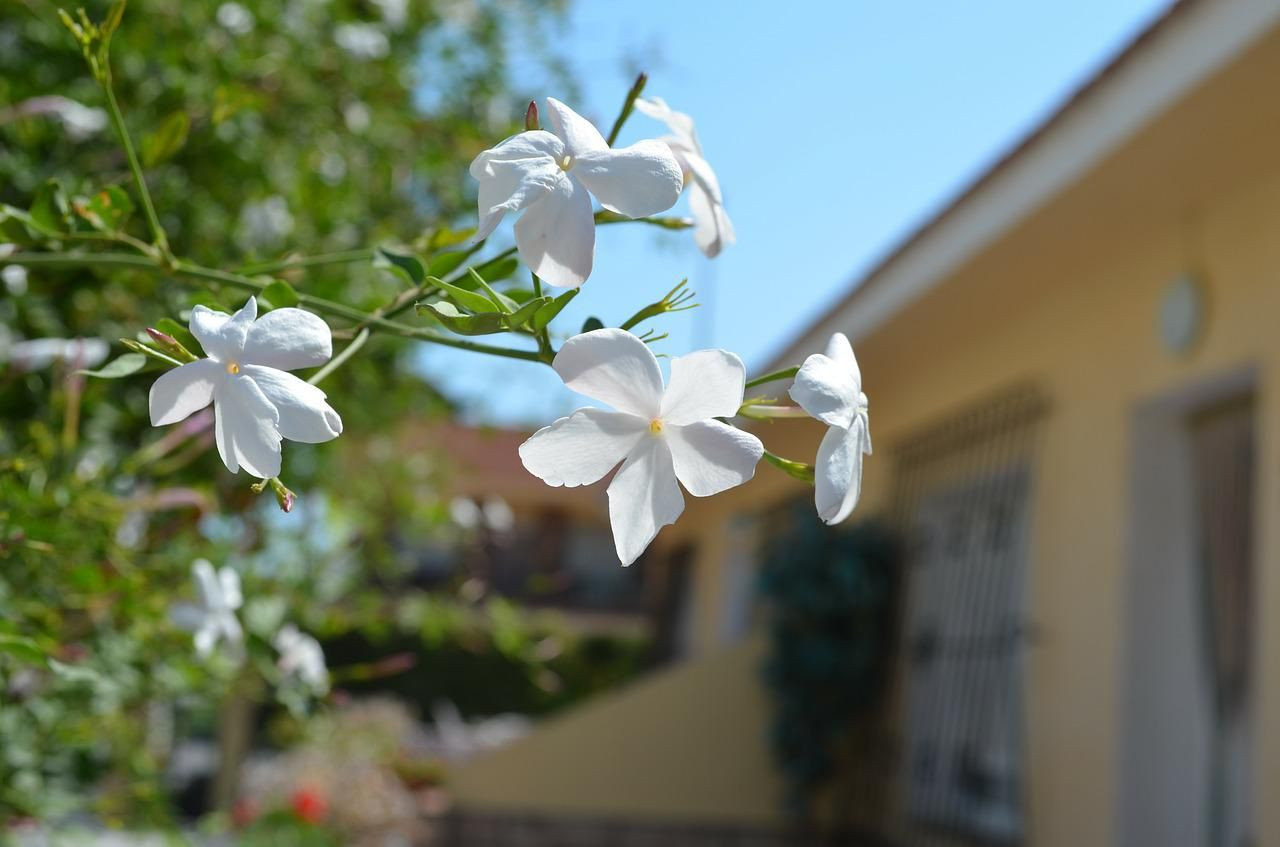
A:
566,163
655,426
233,368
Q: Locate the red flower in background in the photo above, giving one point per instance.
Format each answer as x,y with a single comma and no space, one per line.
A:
309,805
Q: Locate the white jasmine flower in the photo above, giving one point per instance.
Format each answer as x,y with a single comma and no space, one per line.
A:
712,227
37,353
660,435
255,403
829,387
362,41
301,657
548,175
213,619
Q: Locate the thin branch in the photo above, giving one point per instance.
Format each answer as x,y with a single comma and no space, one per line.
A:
785,373
627,106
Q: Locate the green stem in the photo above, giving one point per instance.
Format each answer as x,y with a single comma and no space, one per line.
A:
627,106
117,121
544,338
343,257
341,359
189,270
798,470
763,412
785,373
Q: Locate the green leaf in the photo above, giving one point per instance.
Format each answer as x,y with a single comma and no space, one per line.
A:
503,302
280,294
23,649
16,226
160,145
445,237
107,210
592,323
49,208
443,264
468,300
525,313
406,265
126,365
496,270
446,313
548,312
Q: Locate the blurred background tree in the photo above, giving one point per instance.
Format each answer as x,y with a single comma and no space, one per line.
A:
264,128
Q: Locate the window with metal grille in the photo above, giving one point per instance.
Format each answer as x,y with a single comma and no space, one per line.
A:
963,502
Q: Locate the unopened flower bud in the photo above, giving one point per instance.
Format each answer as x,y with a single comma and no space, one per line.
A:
531,116
168,344
284,496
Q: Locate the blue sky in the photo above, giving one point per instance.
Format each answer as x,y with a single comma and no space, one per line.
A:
835,131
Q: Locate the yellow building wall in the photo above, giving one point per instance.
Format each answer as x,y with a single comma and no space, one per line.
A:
1068,301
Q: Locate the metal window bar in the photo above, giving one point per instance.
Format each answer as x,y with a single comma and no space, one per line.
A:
973,472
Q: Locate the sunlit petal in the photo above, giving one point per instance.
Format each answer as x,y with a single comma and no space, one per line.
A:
643,498
287,339
704,384
643,179
614,367
183,391
710,456
305,416
582,448
556,235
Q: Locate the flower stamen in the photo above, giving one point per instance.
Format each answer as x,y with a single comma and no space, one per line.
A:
566,163
655,426
233,368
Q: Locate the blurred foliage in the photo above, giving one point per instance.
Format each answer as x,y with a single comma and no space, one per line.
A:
265,128
831,595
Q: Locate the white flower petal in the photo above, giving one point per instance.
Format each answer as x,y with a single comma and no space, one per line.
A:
840,351
187,616
614,367
577,133
205,638
701,174
245,428
704,384
838,477
229,581
515,174
643,179
556,235
183,391
712,229
222,335
304,414
582,448
287,339
678,122
643,498
829,387
208,587
710,456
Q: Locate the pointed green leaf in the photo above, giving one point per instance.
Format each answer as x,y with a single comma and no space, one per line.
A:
525,313
404,264
469,300
167,140
548,312
112,21
49,208
503,302
126,365
16,226
486,323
